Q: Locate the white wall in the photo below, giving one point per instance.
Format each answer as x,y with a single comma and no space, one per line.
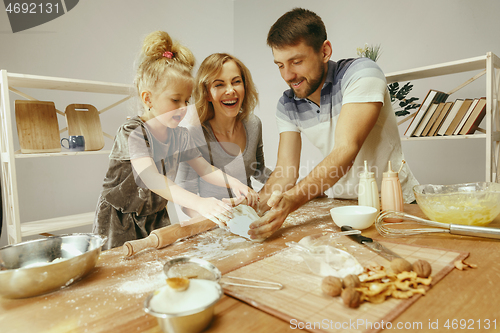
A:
99,40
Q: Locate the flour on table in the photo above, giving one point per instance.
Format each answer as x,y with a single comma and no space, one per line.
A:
146,278
219,244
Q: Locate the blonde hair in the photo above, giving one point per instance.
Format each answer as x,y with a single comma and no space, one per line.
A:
161,62
208,72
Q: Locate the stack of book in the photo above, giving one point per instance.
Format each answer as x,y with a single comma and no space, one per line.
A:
436,117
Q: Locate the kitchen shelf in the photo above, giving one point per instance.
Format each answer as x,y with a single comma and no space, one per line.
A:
57,83
9,83
452,67
55,224
69,153
450,137
489,64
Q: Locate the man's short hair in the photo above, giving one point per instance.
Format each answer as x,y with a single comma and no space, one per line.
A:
295,26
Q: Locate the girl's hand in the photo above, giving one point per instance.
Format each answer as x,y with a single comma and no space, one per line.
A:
215,210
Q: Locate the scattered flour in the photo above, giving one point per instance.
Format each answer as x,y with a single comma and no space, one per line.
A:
143,279
142,285
218,244
313,210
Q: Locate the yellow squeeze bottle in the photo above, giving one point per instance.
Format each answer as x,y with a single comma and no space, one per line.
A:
391,192
368,189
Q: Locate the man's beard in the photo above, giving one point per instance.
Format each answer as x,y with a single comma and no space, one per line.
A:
312,85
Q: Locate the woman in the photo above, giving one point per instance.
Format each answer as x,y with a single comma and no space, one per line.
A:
230,136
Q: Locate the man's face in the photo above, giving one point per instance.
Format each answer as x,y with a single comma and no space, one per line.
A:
301,67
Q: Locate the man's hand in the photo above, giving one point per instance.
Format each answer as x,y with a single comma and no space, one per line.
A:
274,199
286,173
282,205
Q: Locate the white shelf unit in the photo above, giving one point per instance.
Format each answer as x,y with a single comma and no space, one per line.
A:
9,83
489,65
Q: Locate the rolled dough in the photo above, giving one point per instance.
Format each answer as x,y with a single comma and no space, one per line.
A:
243,216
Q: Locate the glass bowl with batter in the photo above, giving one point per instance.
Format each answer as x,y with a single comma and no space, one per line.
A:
468,204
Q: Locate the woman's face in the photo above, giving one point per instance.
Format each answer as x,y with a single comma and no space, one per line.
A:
227,91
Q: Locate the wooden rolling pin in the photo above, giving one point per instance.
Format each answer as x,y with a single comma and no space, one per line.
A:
162,237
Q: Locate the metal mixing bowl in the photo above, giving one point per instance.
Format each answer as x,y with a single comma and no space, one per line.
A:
39,266
469,204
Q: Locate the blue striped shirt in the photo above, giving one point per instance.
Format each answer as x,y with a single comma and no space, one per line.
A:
302,113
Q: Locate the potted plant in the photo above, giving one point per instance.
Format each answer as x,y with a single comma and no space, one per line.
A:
398,93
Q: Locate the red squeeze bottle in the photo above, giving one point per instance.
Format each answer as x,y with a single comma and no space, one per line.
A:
391,192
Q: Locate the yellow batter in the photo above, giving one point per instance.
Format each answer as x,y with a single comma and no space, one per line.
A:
458,209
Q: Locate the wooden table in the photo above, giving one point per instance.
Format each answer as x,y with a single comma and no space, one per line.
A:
111,298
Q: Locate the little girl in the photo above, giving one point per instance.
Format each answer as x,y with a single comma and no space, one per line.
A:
148,149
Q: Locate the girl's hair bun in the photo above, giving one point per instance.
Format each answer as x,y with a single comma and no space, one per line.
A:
162,62
156,43
159,43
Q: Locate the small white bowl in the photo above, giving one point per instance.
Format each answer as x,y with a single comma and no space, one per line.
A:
358,217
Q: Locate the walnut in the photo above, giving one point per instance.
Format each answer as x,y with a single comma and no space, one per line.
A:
399,265
332,286
351,297
422,268
351,280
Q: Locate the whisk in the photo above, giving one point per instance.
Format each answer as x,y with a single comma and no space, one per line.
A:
389,229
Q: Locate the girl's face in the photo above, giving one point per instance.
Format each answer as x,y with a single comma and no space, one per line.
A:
227,91
170,105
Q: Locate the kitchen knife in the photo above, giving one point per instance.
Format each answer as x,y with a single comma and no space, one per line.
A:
371,244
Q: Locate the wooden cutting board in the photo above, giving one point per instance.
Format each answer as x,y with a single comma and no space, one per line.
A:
83,119
37,127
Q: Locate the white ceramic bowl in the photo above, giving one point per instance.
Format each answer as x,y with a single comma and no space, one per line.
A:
358,217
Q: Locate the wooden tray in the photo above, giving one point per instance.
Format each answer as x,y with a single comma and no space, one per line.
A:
83,119
37,127
302,303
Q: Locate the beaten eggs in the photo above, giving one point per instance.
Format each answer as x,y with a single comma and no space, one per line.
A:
452,208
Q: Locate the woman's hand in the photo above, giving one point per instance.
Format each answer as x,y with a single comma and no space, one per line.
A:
251,198
243,192
215,210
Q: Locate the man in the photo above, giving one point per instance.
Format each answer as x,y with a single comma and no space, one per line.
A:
342,107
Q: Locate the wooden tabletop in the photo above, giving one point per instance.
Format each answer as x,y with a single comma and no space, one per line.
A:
111,297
